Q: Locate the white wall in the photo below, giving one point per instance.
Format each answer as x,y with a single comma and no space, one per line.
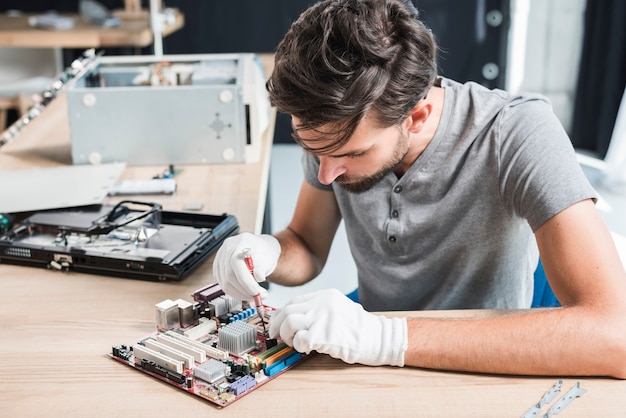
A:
545,45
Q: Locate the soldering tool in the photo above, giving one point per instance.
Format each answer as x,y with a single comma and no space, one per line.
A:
247,257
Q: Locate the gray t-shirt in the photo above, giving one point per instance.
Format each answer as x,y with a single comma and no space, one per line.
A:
455,232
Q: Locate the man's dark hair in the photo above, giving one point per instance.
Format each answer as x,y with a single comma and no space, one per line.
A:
344,58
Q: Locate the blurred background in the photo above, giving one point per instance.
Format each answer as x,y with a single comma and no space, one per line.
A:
570,50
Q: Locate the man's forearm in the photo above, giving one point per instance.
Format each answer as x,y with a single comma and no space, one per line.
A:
560,341
296,265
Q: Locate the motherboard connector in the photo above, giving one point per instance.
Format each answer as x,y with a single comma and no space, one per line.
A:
206,326
142,352
187,359
210,351
198,355
167,316
186,313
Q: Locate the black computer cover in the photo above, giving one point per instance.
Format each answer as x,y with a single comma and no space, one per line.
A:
125,240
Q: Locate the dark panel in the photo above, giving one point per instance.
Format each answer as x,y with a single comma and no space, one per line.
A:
602,75
233,26
472,36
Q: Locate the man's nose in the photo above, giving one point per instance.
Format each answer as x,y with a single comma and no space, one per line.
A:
330,169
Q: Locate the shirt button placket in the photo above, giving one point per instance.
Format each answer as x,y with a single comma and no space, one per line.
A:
394,214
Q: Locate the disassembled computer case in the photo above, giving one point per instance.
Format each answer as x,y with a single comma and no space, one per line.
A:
132,239
172,109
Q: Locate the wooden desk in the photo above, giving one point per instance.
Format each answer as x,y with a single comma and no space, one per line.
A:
58,328
16,32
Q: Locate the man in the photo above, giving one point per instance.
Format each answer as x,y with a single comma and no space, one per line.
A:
447,190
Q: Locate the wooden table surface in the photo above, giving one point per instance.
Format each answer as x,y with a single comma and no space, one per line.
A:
16,32
59,327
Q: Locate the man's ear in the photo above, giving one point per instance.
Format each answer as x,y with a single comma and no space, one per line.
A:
416,117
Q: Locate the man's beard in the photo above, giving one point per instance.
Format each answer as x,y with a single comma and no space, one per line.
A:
365,183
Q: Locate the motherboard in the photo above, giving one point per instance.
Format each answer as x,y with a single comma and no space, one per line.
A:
215,347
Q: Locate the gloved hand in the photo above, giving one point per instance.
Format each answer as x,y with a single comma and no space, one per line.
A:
231,271
328,322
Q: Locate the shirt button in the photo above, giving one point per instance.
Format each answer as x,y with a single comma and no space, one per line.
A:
392,238
397,189
394,214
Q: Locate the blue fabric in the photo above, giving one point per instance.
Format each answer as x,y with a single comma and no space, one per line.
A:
543,296
354,295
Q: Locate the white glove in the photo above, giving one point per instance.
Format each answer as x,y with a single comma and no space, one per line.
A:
232,273
328,322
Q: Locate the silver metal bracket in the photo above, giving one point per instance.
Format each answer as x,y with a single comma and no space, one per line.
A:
575,392
547,397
